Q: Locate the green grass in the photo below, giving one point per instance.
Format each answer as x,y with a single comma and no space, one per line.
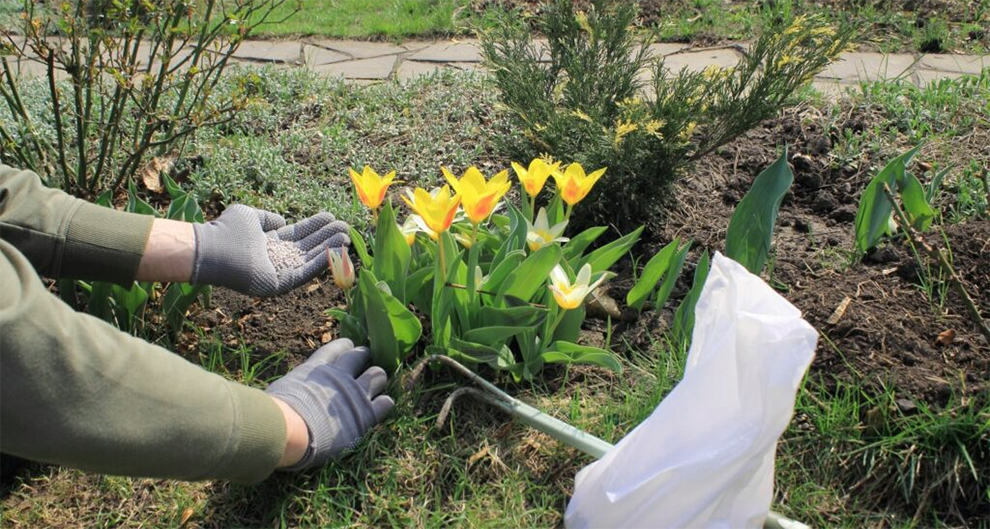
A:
952,26
393,19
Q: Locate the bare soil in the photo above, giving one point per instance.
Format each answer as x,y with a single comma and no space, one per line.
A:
889,330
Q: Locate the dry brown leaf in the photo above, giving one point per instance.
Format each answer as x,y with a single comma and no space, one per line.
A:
945,337
186,516
312,287
151,172
839,311
477,456
326,337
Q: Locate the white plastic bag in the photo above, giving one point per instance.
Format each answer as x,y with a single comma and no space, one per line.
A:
705,457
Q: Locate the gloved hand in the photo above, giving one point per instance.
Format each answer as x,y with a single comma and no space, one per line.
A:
253,252
337,405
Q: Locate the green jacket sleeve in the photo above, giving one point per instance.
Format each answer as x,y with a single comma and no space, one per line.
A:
77,392
63,236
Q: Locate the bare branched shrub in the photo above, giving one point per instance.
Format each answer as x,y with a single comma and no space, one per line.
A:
127,79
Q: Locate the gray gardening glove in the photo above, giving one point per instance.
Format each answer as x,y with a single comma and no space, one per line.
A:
253,252
337,405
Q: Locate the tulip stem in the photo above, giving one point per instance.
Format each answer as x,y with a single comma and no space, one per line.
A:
567,212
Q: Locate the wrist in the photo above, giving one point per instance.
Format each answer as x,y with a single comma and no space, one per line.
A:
169,253
296,435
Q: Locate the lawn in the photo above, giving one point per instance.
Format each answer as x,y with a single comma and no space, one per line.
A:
892,436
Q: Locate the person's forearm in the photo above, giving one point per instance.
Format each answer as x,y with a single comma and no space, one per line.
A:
169,253
77,392
65,237
297,436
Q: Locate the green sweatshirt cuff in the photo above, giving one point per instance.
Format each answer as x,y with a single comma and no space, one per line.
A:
104,244
260,439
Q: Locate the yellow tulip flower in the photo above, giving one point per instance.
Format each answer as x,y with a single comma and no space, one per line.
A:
478,197
371,187
571,295
536,176
437,209
574,185
541,233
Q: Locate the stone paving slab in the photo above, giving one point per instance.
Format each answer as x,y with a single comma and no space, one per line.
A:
449,52
697,61
412,69
662,48
317,56
923,77
869,66
369,62
359,49
286,52
375,68
832,88
971,64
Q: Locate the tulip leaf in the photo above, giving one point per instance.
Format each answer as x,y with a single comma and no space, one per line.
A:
516,239
874,207
671,277
177,300
500,221
350,327
683,324
99,300
603,258
521,316
504,268
392,329
492,335
475,352
384,347
417,288
131,299
577,245
392,253
570,353
570,325
361,247
750,230
916,208
652,273
531,275
105,199
555,210
136,204
443,296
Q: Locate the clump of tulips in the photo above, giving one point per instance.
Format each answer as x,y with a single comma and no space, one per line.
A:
500,285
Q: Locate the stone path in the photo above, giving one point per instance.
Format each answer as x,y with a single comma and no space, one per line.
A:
371,62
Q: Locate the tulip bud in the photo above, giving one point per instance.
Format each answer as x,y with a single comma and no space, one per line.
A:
341,268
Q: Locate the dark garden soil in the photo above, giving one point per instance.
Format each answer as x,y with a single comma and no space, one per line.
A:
877,323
